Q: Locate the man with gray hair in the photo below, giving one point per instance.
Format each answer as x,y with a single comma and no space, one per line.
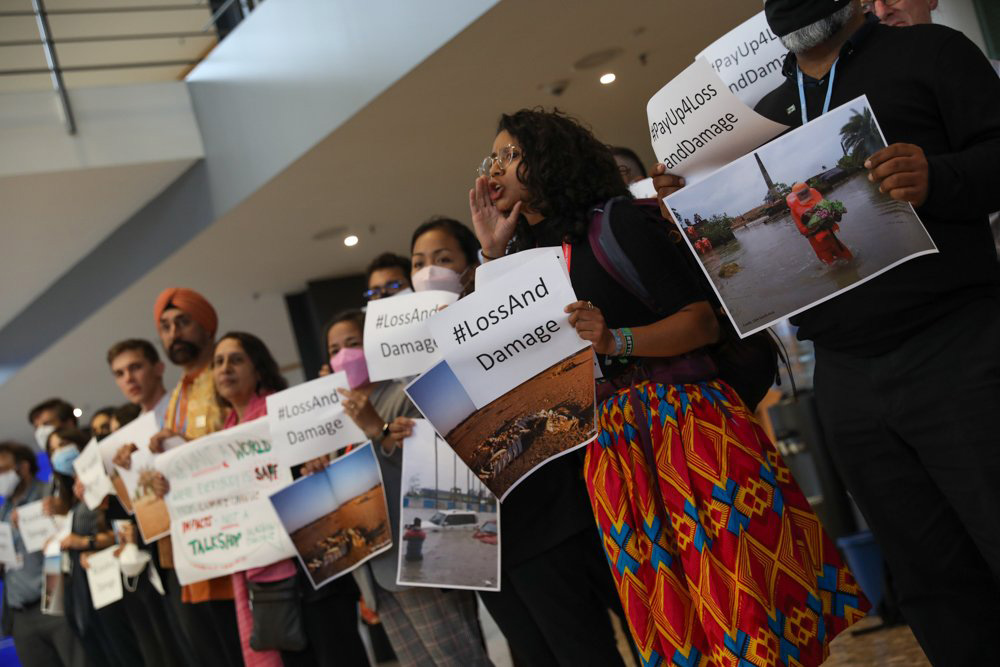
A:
907,376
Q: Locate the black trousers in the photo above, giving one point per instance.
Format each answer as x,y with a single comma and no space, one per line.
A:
147,612
331,625
915,435
44,641
210,627
553,608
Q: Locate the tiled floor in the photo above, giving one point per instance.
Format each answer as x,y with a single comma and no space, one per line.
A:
892,646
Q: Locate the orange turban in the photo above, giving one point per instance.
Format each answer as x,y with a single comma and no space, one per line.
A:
190,302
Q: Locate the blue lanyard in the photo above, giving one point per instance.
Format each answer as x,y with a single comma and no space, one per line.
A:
829,92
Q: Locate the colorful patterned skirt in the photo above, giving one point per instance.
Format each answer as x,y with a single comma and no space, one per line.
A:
727,565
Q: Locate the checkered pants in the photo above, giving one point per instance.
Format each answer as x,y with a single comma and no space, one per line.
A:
432,628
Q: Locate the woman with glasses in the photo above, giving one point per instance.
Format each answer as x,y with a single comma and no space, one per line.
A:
716,554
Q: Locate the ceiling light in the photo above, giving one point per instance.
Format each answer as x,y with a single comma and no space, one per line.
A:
608,78
77,412
351,240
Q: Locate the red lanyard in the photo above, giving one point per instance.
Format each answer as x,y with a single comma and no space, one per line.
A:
568,254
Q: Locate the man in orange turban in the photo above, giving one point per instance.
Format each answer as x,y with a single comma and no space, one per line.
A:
187,323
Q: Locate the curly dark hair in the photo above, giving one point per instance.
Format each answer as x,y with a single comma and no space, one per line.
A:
565,169
263,362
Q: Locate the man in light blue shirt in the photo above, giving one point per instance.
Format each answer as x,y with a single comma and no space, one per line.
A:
40,640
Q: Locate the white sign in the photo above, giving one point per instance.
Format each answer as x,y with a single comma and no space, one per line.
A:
506,332
697,126
8,554
104,577
397,341
221,521
35,526
748,59
308,420
137,432
498,268
92,474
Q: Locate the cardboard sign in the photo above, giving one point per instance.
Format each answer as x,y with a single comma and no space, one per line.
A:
150,510
308,420
104,576
500,336
796,222
457,544
748,59
697,125
35,526
93,475
220,519
397,341
337,518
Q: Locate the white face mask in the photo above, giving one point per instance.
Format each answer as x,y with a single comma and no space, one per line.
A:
132,560
437,278
8,483
42,434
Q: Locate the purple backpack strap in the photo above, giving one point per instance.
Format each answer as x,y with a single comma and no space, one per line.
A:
612,257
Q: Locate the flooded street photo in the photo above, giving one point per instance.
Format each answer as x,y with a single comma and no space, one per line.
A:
778,267
797,222
452,558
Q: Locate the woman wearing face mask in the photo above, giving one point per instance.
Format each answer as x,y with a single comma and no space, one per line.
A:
106,633
444,255
426,626
696,510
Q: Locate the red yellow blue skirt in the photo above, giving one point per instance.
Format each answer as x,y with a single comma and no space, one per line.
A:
728,566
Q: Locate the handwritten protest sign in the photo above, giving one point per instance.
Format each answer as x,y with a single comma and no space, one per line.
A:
308,420
8,554
458,547
220,519
337,518
748,59
35,526
697,125
104,577
397,340
92,474
501,335
797,222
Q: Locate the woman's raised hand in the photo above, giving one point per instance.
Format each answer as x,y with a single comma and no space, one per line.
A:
493,229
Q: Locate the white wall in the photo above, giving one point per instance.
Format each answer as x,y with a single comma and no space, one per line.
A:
117,125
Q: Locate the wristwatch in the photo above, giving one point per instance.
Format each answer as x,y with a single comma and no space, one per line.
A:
385,430
91,543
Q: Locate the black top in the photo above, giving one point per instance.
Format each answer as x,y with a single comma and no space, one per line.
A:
927,85
552,505
644,238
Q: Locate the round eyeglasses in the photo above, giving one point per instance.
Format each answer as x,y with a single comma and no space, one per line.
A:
503,158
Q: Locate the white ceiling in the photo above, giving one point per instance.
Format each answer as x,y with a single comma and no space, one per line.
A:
409,154
61,217
63,27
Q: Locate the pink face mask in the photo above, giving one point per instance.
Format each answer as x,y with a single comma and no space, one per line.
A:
351,360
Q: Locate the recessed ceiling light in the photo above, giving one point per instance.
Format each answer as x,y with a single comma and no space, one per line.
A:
77,412
608,78
351,240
